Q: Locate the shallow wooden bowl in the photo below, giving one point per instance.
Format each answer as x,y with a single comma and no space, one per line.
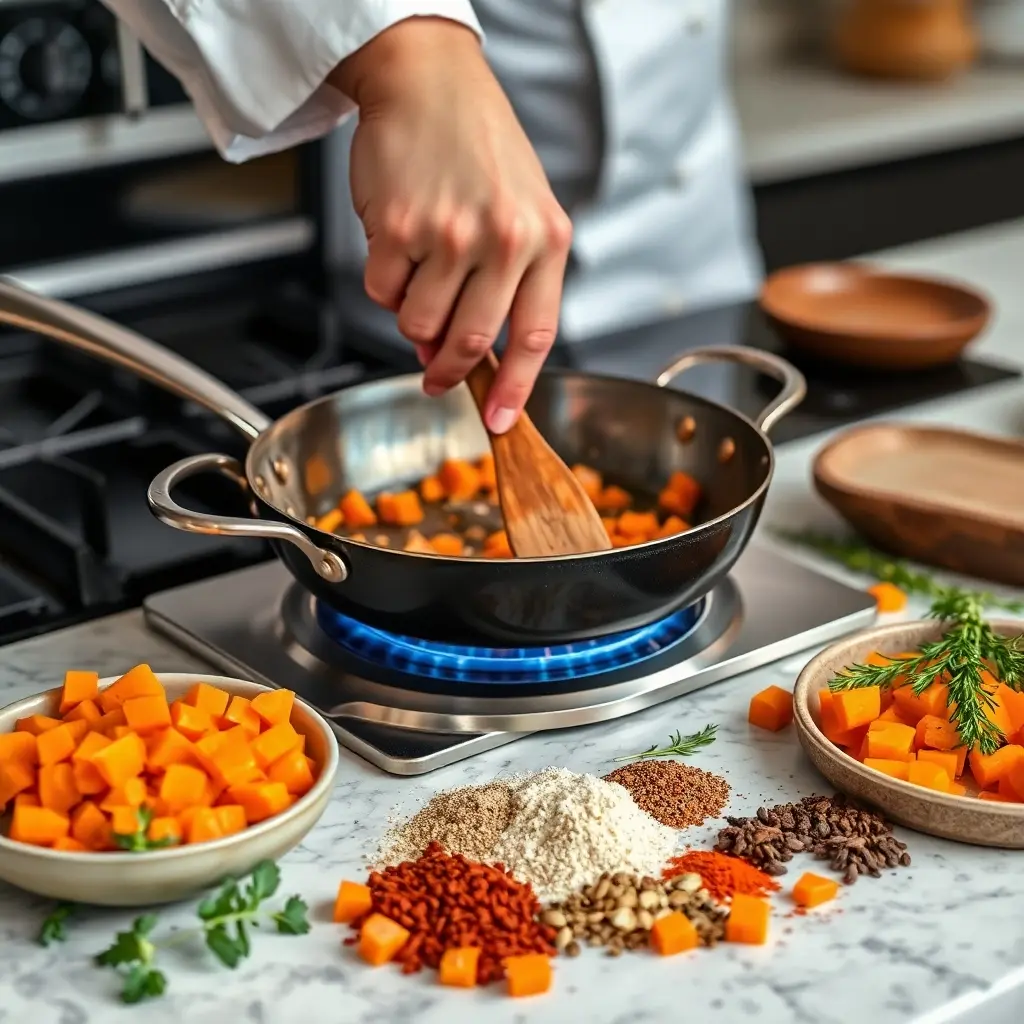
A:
178,872
854,314
965,819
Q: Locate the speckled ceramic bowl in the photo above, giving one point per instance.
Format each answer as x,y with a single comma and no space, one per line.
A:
965,819
176,873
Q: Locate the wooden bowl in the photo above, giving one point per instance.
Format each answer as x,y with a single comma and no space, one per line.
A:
177,872
851,313
944,497
965,819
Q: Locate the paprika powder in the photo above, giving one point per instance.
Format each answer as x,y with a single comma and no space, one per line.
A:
723,876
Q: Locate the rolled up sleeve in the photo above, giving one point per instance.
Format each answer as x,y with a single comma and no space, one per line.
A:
255,70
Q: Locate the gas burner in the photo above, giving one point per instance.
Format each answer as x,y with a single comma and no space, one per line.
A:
522,665
395,702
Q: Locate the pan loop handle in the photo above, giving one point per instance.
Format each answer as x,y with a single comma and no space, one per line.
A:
326,564
794,386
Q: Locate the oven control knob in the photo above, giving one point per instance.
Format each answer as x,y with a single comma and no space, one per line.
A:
45,68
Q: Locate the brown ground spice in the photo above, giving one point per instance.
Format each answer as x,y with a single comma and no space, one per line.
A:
677,795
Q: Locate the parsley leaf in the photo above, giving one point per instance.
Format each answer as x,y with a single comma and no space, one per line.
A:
292,920
53,926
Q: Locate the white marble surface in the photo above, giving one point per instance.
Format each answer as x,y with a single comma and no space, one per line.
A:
898,950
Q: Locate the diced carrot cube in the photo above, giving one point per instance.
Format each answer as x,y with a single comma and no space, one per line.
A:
812,890
292,768
894,769
947,760
139,681
204,826
459,478
615,499
56,745
89,825
913,707
458,966
890,714
69,845
211,699
858,706
447,544
231,818
402,509
748,920
164,830
109,722
19,746
673,933
356,510
641,524
527,974
192,722
57,789
1014,781
87,711
888,597
274,743
38,826
131,793
121,760
36,724
931,776
240,712
331,521
15,778
380,939
1013,702
27,799
431,490
182,786
353,900
167,747
687,491
78,686
147,714
771,709
260,800
988,769
671,526
274,706
234,763
892,742
590,480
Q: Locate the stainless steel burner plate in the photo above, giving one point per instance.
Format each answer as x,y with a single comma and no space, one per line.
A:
258,624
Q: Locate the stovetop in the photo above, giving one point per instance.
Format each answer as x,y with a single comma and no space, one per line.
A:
409,717
80,442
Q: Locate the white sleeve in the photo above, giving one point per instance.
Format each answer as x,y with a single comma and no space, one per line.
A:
255,69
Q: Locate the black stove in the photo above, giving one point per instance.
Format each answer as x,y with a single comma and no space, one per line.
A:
80,442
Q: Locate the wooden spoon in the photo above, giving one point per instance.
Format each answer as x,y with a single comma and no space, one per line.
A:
546,510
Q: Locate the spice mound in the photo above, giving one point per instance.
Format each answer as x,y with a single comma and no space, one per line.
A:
678,795
450,902
618,911
722,876
467,821
569,829
854,840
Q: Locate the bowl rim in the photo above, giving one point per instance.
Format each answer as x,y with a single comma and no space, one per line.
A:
919,335
812,673
324,782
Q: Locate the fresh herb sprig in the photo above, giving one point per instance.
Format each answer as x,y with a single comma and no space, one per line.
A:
139,841
960,657
225,921
53,929
678,745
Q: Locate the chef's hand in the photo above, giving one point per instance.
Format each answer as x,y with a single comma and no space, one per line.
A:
462,226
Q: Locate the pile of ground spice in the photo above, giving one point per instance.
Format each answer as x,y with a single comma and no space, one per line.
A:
467,821
449,901
676,794
568,829
853,839
721,875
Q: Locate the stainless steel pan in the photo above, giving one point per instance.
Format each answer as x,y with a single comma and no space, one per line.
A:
387,434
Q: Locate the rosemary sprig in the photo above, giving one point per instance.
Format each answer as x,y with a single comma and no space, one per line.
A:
967,648
678,745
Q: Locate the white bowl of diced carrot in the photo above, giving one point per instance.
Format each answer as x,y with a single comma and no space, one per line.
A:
148,788
900,752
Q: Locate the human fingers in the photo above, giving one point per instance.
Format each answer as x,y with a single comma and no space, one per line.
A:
389,268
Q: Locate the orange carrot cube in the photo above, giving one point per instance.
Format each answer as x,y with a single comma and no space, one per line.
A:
771,709
356,510
812,890
888,597
240,712
19,746
931,776
90,826
57,789
192,722
15,777
894,769
528,974
892,742
353,900
458,966
164,830
36,724
56,745
274,706
211,699
78,686
748,919
947,760
380,939
139,681
858,706
988,769
38,826
147,714
673,933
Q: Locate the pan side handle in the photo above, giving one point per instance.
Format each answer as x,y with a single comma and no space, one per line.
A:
794,386
326,564
112,343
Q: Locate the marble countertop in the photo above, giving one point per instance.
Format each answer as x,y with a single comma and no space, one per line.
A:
912,947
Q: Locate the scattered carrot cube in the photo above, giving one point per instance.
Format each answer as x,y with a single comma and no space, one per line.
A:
771,709
36,724
357,511
139,681
859,706
57,789
988,769
892,742
56,744
590,480
748,920
687,493
274,706
614,499
488,471
528,974
459,479
447,544
812,890
936,733
38,826
956,789
639,524
110,721
380,939
330,521
673,933
947,760
147,714
78,686
672,525
353,900
458,967
1012,783
211,699
888,597
1013,702
890,714
497,546
402,509
234,763
931,776
894,769
431,490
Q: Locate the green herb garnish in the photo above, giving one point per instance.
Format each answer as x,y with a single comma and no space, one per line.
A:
678,745
225,921
966,650
53,927
139,841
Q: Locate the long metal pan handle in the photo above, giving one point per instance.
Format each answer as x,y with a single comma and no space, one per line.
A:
115,344
794,386
326,564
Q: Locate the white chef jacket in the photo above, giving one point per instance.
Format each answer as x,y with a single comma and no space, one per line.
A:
626,102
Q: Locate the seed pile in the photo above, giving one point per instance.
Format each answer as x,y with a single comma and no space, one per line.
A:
723,876
449,902
678,795
619,910
467,821
569,829
854,840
